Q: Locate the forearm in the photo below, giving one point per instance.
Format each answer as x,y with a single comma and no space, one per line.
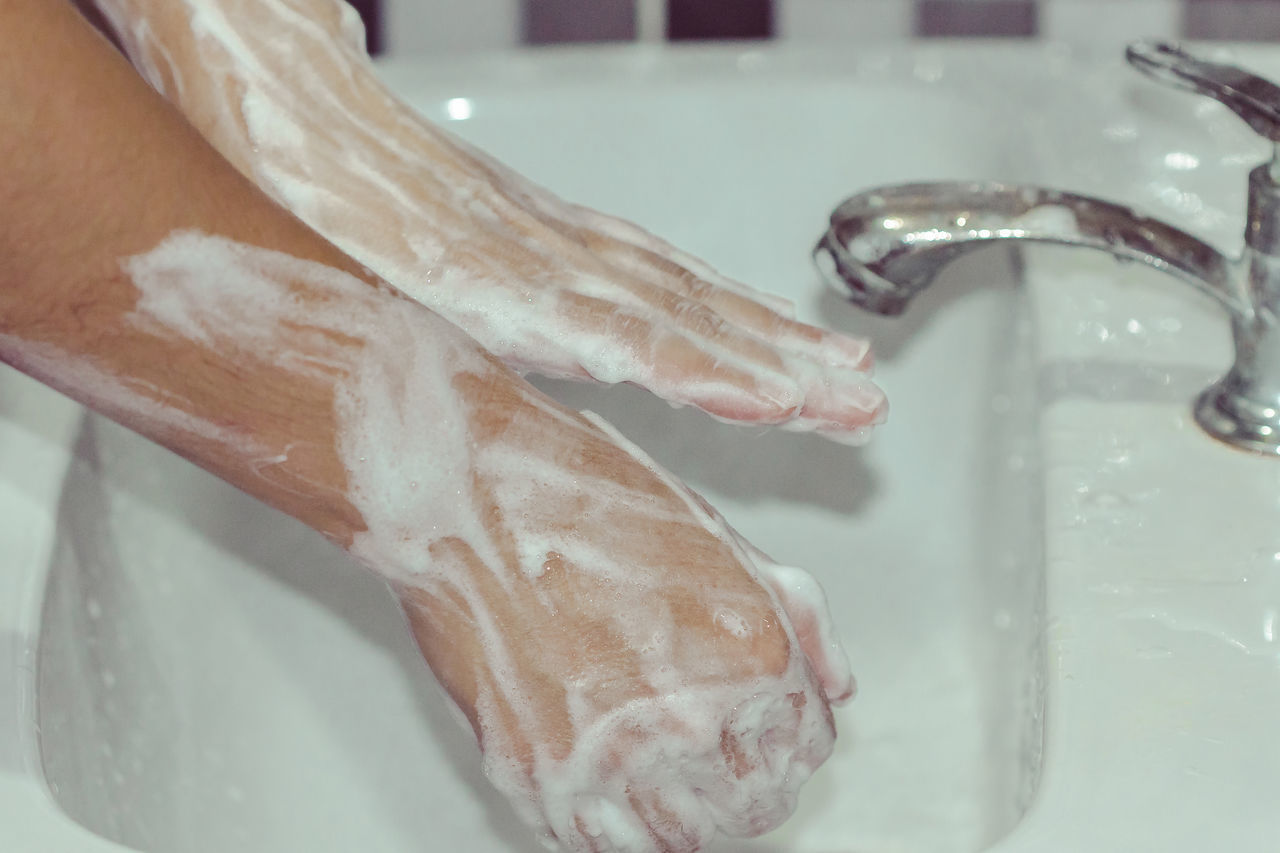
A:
239,69
99,169
284,90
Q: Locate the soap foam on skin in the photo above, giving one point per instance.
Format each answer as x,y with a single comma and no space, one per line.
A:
408,200
691,749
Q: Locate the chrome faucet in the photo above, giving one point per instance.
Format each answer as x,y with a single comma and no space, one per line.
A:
886,245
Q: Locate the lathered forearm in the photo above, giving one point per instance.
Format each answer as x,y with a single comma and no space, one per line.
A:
98,169
284,89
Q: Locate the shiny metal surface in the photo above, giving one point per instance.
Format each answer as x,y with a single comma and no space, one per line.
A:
1253,98
885,245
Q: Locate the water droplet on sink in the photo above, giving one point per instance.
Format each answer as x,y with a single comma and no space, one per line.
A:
93,608
1094,330
1120,132
928,70
1120,456
1112,589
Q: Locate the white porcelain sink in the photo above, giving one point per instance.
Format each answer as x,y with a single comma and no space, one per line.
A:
1039,555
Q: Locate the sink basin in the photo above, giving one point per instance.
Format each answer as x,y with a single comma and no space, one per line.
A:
1063,638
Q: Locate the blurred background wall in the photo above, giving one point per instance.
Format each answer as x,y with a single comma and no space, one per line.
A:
404,27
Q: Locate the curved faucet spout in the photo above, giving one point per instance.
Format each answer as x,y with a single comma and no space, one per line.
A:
886,245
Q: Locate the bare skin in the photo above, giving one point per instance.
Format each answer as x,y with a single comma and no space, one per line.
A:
315,128
99,170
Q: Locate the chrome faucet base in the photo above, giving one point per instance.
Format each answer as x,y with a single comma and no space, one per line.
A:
1235,420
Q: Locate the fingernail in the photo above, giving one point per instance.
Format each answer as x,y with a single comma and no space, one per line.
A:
852,352
856,391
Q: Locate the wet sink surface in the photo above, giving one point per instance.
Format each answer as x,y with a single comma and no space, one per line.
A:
214,677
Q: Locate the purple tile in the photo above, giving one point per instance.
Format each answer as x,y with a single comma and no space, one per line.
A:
976,18
560,21
1234,20
371,12
719,19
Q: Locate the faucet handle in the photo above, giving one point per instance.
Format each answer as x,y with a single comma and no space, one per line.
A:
1253,98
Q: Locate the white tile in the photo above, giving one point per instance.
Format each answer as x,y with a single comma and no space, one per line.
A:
1240,20
651,20
1093,22
437,26
847,20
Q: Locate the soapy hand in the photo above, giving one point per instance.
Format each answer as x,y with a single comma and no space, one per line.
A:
285,90
638,678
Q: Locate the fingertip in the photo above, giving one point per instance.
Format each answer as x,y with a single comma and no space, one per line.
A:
857,429
845,696
830,350
844,410
838,683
